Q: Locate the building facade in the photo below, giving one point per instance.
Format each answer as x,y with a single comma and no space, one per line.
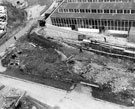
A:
118,15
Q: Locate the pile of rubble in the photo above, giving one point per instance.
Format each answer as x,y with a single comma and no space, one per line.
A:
12,98
118,78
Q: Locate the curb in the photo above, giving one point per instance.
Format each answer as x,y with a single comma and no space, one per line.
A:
27,81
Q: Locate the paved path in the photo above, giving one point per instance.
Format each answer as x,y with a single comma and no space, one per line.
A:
78,99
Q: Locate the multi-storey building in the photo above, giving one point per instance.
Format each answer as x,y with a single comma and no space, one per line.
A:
113,15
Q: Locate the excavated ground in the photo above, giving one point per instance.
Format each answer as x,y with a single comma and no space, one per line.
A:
38,58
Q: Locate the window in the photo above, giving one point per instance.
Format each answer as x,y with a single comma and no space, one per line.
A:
71,10
106,11
101,0
65,10
116,24
112,24
112,11
100,11
93,11
73,0
99,22
119,11
82,10
64,21
105,22
84,0
60,10
89,0
87,10
52,19
133,23
74,20
79,22
95,0
119,25
76,10
107,1
87,23
90,22
96,24
132,11
126,11
61,20
112,0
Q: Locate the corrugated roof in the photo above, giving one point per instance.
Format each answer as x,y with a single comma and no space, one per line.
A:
96,6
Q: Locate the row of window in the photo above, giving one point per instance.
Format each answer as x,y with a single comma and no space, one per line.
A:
86,1
99,11
94,23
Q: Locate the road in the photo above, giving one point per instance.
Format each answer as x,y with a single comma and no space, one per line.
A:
80,98
19,34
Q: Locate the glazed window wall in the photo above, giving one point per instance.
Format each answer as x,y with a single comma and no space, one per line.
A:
123,25
98,11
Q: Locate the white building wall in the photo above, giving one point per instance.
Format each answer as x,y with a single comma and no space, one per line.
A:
97,31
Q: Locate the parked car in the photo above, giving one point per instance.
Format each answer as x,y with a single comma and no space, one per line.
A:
3,20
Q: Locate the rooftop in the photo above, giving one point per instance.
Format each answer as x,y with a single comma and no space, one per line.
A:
122,6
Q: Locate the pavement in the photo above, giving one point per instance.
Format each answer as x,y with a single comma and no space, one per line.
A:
80,98
67,33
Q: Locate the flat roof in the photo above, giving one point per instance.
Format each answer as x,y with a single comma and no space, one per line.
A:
94,16
65,5
112,5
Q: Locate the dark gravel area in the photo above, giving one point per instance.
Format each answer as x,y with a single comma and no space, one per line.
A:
46,81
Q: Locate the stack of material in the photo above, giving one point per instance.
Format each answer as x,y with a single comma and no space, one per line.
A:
12,98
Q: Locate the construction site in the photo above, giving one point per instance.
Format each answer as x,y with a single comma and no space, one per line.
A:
58,65
11,98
